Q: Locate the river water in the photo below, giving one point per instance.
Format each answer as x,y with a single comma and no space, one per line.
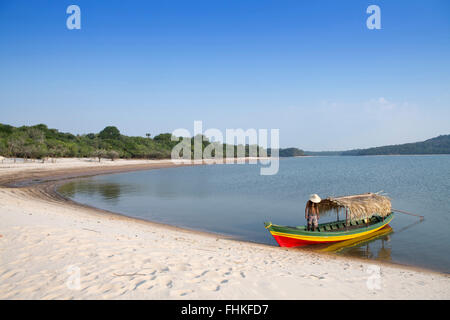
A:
235,200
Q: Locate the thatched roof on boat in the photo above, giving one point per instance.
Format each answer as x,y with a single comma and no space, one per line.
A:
359,206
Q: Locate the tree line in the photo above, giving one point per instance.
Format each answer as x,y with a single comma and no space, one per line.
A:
288,152
40,142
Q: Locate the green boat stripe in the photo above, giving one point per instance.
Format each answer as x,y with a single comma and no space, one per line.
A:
297,231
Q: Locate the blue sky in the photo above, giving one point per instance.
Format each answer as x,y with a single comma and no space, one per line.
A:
309,68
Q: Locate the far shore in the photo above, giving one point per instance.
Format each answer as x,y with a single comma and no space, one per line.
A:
52,248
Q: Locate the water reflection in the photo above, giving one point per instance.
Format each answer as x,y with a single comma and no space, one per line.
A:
372,246
107,190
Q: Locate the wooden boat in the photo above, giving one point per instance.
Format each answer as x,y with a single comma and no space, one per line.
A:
364,214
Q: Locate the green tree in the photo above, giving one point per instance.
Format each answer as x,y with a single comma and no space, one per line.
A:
100,153
110,132
15,145
3,148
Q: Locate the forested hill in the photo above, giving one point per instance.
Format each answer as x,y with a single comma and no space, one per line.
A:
438,145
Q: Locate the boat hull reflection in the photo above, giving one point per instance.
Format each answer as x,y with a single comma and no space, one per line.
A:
360,242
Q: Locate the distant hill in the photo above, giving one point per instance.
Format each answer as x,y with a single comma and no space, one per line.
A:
438,145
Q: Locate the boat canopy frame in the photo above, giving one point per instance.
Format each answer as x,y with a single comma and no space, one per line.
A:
359,206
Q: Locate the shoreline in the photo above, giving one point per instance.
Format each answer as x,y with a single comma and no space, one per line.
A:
26,174
52,192
42,193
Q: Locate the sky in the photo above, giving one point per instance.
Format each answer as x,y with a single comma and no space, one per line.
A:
311,69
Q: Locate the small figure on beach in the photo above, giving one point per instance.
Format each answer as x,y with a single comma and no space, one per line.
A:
312,212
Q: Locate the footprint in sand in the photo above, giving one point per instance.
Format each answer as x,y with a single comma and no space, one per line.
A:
202,274
139,284
180,292
312,276
9,274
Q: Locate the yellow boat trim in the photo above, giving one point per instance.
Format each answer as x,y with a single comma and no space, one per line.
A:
325,239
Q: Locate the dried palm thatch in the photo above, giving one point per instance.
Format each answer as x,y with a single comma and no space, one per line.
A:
358,206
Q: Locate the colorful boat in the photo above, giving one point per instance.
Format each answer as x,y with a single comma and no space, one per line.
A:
364,214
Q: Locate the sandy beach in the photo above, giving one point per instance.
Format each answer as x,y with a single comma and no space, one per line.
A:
51,248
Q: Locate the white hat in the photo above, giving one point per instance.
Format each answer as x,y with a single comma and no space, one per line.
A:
314,198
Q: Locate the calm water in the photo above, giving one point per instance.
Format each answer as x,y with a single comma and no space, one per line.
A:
235,200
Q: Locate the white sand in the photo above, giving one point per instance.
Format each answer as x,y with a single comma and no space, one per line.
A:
44,243
8,166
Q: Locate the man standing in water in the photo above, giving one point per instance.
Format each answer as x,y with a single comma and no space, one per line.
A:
312,212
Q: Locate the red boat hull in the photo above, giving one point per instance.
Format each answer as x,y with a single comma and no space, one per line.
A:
292,242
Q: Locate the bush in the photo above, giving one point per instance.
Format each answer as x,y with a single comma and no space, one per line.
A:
112,154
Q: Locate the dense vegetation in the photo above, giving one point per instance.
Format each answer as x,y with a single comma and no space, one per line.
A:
288,152
438,145
40,142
